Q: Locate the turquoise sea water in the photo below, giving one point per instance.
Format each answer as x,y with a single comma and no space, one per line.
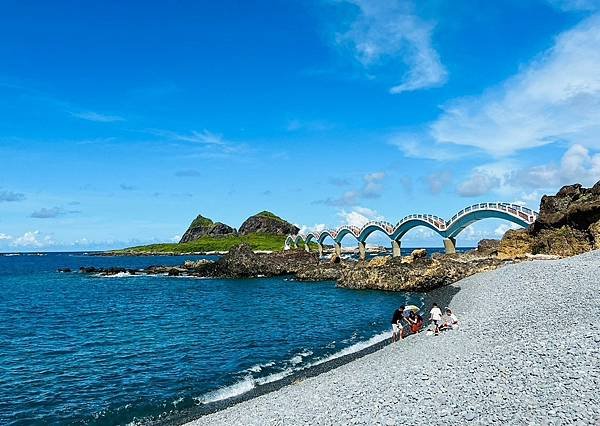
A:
80,349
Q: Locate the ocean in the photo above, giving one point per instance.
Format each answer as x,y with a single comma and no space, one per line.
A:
81,349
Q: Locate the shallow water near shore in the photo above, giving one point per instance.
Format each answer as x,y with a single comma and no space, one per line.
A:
89,350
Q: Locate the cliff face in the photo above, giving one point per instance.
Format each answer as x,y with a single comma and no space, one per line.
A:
203,226
569,224
267,223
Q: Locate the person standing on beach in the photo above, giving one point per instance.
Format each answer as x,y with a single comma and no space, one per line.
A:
436,317
396,326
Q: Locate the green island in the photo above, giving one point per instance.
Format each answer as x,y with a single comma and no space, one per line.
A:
204,244
264,231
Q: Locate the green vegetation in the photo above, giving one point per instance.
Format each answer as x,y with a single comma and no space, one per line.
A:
201,222
269,215
207,243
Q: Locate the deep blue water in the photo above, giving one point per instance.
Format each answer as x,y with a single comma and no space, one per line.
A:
90,350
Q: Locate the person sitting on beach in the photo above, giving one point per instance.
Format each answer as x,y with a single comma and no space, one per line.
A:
396,324
416,322
451,322
436,318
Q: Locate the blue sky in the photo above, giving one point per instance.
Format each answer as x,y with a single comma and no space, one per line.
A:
120,122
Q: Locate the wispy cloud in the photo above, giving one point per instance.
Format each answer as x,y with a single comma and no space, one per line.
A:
438,181
477,184
576,5
389,33
556,98
127,187
372,188
97,117
10,196
339,182
52,212
208,144
202,138
188,173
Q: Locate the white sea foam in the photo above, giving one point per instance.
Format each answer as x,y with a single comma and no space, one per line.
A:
249,382
259,367
236,389
118,275
355,348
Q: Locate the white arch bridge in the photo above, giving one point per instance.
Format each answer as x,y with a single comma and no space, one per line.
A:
447,229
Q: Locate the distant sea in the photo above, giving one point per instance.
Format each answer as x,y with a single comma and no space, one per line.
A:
80,349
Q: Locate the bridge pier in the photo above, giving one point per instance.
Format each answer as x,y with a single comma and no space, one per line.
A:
450,245
338,249
320,249
362,250
396,248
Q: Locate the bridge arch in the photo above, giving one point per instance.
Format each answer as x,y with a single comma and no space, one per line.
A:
447,229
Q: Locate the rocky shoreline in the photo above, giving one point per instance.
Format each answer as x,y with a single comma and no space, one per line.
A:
417,272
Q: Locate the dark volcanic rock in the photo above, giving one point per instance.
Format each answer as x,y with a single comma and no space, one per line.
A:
567,225
573,206
203,226
422,274
324,271
267,223
488,247
242,262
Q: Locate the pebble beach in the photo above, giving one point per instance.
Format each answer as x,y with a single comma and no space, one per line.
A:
527,352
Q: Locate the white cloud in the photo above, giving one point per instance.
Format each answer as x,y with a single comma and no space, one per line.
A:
175,238
305,229
414,145
477,184
33,239
438,181
372,188
555,98
577,165
510,179
359,216
387,32
94,116
576,5
503,227
4,237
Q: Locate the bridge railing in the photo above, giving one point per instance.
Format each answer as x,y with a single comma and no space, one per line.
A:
521,212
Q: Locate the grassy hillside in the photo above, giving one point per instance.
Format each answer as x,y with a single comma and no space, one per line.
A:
204,244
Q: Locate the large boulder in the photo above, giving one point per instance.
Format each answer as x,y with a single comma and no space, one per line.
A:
568,224
488,247
515,244
573,205
595,234
267,223
564,241
203,226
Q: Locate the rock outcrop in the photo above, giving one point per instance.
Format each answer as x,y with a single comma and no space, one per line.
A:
568,224
242,262
203,226
515,244
422,274
267,223
488,247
